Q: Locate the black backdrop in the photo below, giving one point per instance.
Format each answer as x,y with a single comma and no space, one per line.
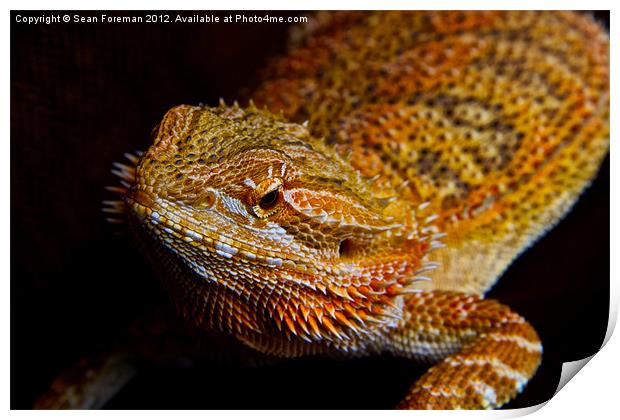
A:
81,96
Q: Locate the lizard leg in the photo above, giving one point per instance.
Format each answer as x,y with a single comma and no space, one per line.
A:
487,352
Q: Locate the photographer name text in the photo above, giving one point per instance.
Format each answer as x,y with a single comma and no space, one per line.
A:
48,19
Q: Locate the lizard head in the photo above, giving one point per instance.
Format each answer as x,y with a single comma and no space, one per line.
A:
267,230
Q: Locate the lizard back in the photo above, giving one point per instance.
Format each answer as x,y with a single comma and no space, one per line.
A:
497,119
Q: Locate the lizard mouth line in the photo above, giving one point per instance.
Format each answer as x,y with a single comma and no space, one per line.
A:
224,246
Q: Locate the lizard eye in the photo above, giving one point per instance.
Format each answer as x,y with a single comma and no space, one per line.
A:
269,200
266,197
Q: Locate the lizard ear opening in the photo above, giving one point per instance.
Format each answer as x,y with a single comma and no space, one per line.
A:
346,248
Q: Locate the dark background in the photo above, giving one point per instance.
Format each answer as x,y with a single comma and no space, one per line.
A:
81,96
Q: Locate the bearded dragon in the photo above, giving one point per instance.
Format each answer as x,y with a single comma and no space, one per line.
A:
386,172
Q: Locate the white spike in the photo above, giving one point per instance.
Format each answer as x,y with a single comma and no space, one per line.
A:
431,265
424,205
410,291
116,189
436,245
123,167
429,229
391,316
132,158
112,211
427,267
123,175
430,218
112,202
374,178
405,184
115,221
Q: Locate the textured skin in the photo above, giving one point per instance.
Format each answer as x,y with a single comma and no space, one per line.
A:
496,118
478,128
